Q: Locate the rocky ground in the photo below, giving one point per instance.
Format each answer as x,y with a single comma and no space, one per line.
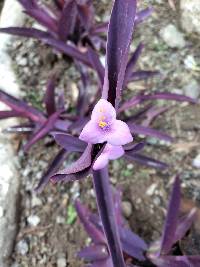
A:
49,233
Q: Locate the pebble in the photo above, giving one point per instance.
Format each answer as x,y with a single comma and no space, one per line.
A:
22,247
35,201
33,220
172,37
196,161
22,61
151,190
61,262
192,89
127,208
190,15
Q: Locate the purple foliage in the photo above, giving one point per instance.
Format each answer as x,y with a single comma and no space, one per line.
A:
158,254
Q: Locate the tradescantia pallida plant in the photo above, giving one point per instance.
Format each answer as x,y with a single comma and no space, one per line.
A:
56,121
99,130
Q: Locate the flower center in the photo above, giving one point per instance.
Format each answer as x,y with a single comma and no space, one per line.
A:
103,124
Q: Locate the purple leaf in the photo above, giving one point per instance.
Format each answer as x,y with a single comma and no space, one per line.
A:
94,253
52,168
139,129
152,114
119,38
184,225
143,14
42,131
49,98
132,244
21,107
46,38
69,142
96,64
142,159
44,19
4,114
132,62
84,215
83,163
33,9
86,14
106,211
62,125
133,148
142,75
62,177
101,28
155,96
171,219
67,20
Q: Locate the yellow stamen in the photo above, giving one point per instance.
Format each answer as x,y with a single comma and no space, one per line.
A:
102,124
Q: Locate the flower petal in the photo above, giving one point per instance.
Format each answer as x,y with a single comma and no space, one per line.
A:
114,152
101,161
109,152
91,134
105,109
120,134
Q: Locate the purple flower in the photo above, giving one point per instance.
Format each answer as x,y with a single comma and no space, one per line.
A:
109,153
104,127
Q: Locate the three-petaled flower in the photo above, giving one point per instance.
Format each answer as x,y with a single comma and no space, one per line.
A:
104,127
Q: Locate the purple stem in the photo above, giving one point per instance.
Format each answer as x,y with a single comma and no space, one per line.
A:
106,210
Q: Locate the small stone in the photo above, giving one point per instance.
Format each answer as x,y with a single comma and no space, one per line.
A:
23,61
151,190
190,15
190,62
61,262
192,89
35,201
60,220
156,201
196,161
172,37
126,208
33,220
22,247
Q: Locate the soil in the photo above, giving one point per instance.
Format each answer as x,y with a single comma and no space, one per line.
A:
54,238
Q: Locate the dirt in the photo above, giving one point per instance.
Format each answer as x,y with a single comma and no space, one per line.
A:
145,188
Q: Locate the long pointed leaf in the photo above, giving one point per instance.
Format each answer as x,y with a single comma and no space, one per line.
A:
67,20
184,225
84,216
21,107
147,131
53,167
155,96
49,98
46,38
42,131
142,159
172,218
119,38
132,62
69,142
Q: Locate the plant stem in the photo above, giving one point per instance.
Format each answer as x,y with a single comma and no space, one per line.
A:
107,214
